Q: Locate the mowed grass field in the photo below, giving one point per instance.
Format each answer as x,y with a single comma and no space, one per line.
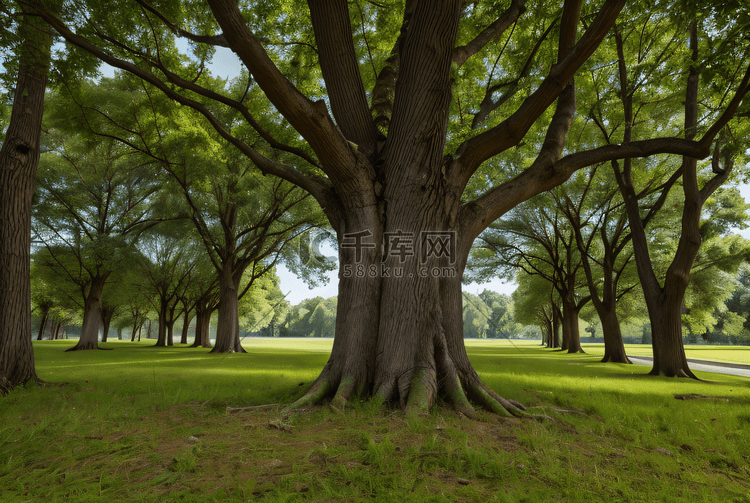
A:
150,424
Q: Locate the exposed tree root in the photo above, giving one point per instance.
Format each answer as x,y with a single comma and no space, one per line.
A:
344,391
236,410
7,386
86,347
682,372
314,396
423,392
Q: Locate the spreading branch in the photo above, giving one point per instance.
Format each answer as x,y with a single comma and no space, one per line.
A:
473,152
495,29
340,68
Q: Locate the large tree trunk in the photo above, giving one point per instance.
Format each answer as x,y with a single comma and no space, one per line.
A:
202,326
399,327
614,349
228,322
571,330
91,315
19,158
161,338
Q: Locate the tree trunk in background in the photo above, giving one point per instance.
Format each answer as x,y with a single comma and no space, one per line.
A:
43,324
161,338
606,308
170,330
202,325
606,305
614,349
571,330
555,327
185,328
19,158
106,316
547,332
228,322
91,315
665,303
55,332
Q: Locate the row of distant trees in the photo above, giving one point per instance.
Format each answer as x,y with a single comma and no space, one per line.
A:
574,254
488,315
140,211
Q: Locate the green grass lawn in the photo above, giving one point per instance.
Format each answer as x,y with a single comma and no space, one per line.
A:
147,424
728,354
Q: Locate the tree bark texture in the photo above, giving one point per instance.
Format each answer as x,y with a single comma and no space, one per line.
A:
91,315
203,312
19,158
399,330
185,327
228,322
43,324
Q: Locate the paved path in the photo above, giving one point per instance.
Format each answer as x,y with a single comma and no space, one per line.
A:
736,369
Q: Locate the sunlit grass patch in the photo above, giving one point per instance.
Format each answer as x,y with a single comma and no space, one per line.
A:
150,424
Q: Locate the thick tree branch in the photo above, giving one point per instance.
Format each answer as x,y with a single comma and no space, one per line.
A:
423,89
472,153
309,119
215,40
491,32
318,187
385,85
492,205
477,214
487,105
338,63
191,85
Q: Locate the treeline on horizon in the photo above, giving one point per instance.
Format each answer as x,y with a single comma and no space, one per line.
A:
488,315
